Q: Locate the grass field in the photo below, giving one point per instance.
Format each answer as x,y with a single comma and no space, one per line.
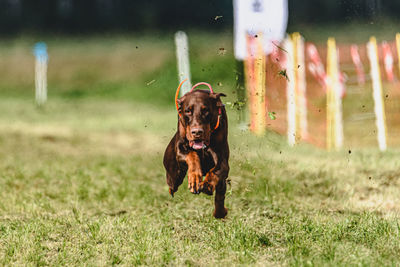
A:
82,182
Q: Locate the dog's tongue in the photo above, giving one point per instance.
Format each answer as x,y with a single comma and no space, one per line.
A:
197,144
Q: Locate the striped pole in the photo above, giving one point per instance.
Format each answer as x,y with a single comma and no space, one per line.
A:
290,91
379,107
40,51
300,84
182,56
296,89
334,127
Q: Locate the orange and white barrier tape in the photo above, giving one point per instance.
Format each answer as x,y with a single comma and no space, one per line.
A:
355,56
398,47
316,67
388,61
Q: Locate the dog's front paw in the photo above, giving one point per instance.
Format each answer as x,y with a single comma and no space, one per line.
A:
194,180
207,188
208,185
220,213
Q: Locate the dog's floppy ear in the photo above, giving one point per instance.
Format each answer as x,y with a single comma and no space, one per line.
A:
179,101
181,127
217,96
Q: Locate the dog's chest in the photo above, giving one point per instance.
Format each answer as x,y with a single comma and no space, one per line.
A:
206,161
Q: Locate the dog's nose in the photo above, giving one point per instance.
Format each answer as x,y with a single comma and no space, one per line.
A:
197,132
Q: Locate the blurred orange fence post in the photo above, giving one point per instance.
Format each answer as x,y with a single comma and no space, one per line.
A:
255,82
398,47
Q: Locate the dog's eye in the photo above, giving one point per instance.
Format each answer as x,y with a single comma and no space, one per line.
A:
188,111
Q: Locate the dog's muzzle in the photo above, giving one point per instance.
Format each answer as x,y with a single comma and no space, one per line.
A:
197,144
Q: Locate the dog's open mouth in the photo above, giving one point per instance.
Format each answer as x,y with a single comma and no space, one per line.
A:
197,144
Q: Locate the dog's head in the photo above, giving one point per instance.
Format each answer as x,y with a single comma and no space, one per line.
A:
199,111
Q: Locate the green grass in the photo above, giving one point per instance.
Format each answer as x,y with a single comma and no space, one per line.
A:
136,68
82,182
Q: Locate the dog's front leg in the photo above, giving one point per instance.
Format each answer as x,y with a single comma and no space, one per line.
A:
219,202
194,171
215,180
216,174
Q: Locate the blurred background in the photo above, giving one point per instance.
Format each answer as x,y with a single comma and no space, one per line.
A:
123,51
97,16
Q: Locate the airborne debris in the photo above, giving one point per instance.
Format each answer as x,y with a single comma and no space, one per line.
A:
279,47
218,17
151,82
221,51
272,115
284,74
238,105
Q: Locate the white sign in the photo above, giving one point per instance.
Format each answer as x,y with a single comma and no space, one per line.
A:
268,17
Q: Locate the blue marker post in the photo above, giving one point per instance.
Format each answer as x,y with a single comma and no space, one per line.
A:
40,52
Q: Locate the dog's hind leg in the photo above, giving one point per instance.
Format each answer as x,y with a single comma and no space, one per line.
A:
216,175
176,172
175,179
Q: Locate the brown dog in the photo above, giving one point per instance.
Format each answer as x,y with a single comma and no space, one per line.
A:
200,147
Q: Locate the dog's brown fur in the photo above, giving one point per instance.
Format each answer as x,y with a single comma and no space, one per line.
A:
199,112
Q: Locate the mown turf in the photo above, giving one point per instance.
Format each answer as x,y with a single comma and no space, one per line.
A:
83,184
